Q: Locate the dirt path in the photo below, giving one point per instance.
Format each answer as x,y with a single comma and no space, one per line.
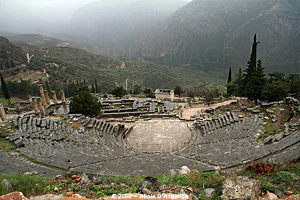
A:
46,53
188,112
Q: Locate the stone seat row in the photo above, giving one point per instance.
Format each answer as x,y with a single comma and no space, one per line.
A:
67,154
209,132
14,164
231,153
68,147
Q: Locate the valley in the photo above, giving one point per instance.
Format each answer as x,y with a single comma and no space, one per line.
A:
106,99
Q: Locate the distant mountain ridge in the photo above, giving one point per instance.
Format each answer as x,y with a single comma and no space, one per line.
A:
64,65
217,34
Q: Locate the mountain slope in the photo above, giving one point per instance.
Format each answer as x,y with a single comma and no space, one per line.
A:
10,55
64,65
37,40
217,34
120,23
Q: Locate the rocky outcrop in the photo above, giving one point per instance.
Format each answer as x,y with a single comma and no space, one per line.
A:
241,187
14,196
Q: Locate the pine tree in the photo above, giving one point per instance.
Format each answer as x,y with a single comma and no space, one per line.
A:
84,103
5,90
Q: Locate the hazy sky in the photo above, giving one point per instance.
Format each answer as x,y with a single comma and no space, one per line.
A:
40,15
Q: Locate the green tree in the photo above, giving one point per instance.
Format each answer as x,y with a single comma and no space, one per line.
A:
96,87
191,93
230,85
259,80
85,103
294,84
12,63
93,88
149,93
254,77
209,96
71,89
119,91
276,76
177,90
22,89
238,90
137,89
7,65
275,91
231,88
229,76
5,90
48,87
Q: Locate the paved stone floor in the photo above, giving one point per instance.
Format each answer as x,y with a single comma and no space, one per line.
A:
159,135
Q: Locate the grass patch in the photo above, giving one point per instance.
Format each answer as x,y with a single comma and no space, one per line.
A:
194,179
28,185
6,146
5,101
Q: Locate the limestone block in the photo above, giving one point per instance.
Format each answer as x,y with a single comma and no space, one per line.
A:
240,187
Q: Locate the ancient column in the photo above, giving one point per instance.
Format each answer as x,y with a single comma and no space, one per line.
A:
62,96
40,104
35,106
47,97
44,103
2,112
54,98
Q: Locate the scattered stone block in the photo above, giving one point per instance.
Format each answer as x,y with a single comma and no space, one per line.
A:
270,196
173,172
209,192
184,170
7,185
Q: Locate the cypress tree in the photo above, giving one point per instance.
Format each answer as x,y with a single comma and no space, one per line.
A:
93,88
5,89
96,87
254,76
229,76
48,87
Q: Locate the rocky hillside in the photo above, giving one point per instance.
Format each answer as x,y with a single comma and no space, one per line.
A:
117,24
10,55
217,34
